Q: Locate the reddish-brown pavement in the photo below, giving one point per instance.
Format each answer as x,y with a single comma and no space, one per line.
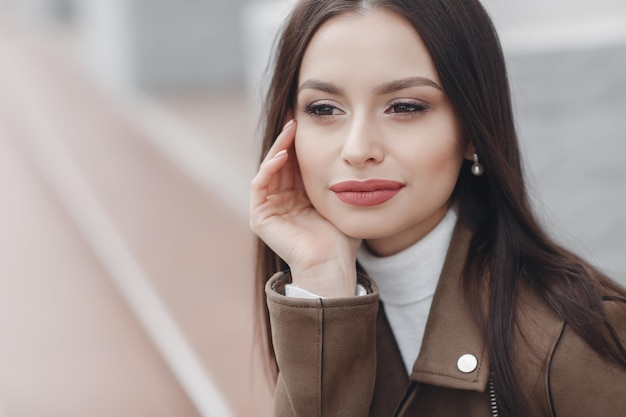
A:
69,343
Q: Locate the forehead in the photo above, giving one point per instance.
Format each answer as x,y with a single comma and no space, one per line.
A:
378,43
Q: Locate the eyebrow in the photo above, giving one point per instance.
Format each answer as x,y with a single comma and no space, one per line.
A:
320,86
403,83
386,88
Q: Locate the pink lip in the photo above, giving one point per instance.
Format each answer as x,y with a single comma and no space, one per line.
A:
366,193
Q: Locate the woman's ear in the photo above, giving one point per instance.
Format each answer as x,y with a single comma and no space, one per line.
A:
469,151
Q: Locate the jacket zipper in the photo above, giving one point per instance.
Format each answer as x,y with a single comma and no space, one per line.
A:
402,403
492,398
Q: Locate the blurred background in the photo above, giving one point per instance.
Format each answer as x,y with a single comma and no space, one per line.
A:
127,143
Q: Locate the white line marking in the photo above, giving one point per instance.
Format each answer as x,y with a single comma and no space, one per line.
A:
202,162
65,178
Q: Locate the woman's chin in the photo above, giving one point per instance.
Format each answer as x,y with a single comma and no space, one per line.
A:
360,231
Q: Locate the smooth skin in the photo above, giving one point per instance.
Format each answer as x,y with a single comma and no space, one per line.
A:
320,257
369,106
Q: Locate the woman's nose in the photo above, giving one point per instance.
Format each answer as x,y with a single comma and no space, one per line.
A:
362,144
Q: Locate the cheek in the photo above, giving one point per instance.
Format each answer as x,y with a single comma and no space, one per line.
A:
301,146
448,160
316,146
446,152
309,158
433,159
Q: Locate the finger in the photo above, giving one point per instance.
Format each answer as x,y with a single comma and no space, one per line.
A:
290,177
267,178
283,140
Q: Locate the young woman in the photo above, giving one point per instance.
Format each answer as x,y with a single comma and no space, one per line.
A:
409,276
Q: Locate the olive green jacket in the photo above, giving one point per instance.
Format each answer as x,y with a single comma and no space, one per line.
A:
338,357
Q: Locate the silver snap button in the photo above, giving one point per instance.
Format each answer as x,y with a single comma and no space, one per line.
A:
467,363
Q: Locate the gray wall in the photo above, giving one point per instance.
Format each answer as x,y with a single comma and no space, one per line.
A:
186,43
164,44
571,117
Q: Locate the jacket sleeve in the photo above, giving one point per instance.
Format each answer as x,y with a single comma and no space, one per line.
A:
582,383
325,350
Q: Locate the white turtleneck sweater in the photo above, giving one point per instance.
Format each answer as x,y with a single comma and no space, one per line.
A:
406,283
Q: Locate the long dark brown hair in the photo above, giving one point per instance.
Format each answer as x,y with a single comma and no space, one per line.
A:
508,246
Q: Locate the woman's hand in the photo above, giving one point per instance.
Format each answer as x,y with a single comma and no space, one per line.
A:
321,258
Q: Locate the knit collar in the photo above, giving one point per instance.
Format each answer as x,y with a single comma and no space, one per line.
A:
411,275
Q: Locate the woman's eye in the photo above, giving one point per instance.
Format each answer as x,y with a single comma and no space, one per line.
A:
407,107
323,109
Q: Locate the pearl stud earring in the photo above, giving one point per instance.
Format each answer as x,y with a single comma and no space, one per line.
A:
477,168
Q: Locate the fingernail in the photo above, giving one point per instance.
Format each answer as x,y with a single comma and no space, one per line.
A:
289,123
280,154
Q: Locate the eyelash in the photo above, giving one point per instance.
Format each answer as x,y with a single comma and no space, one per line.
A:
411,108
314,109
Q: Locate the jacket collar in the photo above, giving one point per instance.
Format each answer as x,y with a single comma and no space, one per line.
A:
451,332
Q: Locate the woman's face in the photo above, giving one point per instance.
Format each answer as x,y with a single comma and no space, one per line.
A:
378,143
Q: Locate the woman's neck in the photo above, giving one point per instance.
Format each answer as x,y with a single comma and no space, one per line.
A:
398,242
